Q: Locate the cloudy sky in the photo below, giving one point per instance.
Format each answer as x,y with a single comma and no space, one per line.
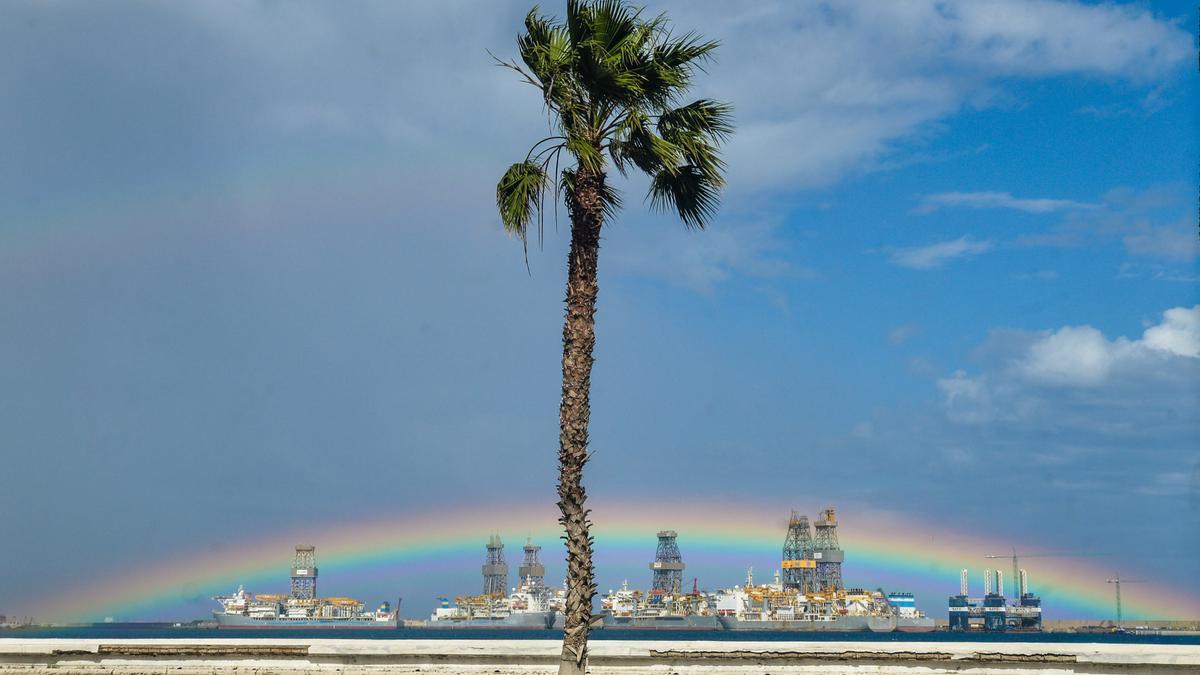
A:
250,269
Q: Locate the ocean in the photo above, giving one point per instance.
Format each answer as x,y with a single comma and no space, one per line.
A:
127,631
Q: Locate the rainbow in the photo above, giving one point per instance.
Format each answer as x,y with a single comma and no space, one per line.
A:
886,547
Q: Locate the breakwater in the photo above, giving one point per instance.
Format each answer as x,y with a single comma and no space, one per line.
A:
284,656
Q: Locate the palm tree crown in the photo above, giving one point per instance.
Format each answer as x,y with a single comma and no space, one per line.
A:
612,83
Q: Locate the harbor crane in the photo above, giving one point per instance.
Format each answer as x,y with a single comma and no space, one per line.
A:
1016,565
1116,582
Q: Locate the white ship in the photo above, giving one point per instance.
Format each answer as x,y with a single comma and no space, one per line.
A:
631,609
775,607
301,608
247,610
529,605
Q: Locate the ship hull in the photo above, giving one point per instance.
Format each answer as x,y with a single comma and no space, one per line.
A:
242,621
688,622
922,624
525,620
837,624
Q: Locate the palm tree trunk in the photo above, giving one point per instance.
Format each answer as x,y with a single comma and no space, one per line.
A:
579,337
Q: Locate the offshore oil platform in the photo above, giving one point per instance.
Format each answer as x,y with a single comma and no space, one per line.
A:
993,613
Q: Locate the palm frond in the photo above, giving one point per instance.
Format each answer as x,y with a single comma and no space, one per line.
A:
518,195
689,190
696,129
710,118
545,48
586,153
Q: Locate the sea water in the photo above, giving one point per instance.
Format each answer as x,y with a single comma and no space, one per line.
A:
127,631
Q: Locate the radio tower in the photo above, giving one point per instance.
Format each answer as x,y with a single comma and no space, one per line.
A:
495,570
304,573
531,569
827,554
667,565
797,554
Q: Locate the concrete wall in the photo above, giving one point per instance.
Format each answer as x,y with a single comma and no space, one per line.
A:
609,657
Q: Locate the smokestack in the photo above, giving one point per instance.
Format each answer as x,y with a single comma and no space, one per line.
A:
1024,583
962,582
999,582
987,582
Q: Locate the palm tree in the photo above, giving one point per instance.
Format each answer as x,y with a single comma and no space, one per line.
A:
612,83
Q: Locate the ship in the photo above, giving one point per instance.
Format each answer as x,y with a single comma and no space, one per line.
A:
247,610
301,608
657,610
521,609
531,605
909,619
778,607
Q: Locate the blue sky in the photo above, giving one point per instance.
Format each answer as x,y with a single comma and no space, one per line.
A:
250,251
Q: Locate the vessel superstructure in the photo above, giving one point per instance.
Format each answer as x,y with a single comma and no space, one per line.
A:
530,605
301,608
657,610
809,595
776,606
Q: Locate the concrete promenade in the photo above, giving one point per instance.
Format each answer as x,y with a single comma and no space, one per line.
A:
298,655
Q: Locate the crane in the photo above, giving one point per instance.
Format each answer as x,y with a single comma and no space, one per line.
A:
1016,578
1117,581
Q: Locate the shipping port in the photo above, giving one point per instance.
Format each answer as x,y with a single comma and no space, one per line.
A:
806,593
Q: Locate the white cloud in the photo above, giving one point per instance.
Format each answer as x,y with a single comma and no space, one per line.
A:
701,260
898,335
1082,356
997,200
1177,241
1040,275
1171,483
936,255
1074,355
1179,332
1149,223
1074,375
1080,410
857,78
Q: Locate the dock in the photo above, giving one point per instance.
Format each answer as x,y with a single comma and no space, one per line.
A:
608,657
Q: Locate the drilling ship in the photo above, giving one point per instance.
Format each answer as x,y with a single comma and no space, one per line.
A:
776,607
301,608
531,605
657,610
664,607
810,596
